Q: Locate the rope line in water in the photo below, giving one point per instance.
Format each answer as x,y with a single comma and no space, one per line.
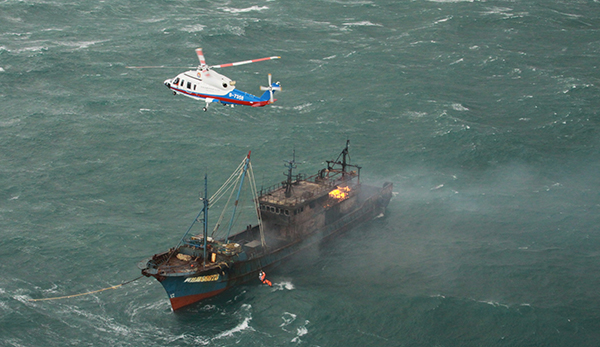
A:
87,293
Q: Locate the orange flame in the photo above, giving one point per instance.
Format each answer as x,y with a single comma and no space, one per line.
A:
341,193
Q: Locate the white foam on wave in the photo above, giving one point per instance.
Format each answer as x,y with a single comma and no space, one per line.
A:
22,298
53,29
244,10
283,285
457,61
302,107
439,186
193,28
452,0
504,12
365,23
288,318
443,20
301,331
459,107
1,69
352,3
494,303
244,325
80,44
31,49
498,10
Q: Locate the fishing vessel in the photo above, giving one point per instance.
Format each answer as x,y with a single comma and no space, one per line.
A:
292,215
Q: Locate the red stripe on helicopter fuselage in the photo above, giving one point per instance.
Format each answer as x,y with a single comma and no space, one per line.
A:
222,98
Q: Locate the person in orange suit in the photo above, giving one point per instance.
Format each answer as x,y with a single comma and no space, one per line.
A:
263,278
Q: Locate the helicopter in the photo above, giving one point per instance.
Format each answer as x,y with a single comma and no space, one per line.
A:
206,84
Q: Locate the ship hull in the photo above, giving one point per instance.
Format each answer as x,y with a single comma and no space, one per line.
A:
186,289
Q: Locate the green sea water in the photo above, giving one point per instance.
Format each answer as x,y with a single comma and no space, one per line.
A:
484,115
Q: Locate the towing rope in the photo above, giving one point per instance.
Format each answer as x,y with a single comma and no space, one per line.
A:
87,293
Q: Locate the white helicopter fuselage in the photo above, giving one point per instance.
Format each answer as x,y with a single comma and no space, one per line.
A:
198,84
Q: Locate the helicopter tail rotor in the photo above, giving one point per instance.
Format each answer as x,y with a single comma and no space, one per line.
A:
271,88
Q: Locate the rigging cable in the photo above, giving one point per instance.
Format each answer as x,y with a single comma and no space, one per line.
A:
87,293
232,188
225,187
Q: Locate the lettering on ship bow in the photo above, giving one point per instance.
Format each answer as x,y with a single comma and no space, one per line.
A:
209,278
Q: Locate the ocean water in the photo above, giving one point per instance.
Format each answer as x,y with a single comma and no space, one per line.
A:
484,115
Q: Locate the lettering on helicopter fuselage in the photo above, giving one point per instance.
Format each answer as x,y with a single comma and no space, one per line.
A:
209,278
236,96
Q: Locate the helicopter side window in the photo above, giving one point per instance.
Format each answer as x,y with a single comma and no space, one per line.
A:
189,85
194,87
182,83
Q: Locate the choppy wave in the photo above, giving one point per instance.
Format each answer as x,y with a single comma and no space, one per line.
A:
241,327
363,23
452,1
193,28
285,285
245,10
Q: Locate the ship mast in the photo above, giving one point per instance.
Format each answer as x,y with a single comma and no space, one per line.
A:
205,218
344,163
291,165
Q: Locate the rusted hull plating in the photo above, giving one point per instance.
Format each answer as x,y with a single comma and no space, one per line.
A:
182,301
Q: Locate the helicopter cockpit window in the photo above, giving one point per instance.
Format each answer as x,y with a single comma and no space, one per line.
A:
176,80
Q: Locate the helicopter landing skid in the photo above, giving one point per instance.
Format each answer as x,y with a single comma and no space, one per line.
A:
208,101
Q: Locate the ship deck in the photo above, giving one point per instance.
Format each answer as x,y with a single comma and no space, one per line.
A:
301,191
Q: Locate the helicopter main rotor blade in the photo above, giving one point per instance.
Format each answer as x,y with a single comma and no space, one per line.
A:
201,58
244,62
159,67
